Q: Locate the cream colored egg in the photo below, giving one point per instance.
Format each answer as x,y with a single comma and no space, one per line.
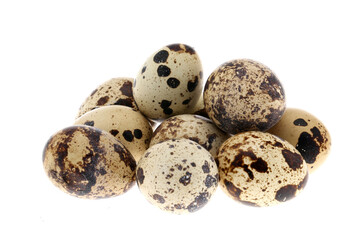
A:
307,133
178,176
116,91
260,169
124,123
243,95
169,82
193,127
88,163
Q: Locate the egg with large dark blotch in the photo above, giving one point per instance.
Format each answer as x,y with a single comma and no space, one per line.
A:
307,133
87,162
169,82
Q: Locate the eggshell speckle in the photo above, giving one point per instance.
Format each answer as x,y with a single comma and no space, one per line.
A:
193,127
169,83
178,176
127,125
307,133
243,95
89,163
260,169
116,91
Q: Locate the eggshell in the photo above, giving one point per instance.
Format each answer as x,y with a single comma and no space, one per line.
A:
127,125
243,95
199,108
178,176
260,169
116,91
88,163
169,82
307,133
193,127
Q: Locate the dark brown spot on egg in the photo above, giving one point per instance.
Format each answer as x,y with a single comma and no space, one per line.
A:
102,101
186,101
199,202
211,138
168,111
175,47
294,160
143,69
161,56
210,181
138,133
163,71
240,72
127,134
272,86
114,132
191,85
189,49
206,167
259,165
309,145
129,102
286,193
89,123
140,176
158,198
232,190
300,122
126,89
173,82
185,180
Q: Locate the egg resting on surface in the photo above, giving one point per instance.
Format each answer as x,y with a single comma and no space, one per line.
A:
243,95
86,162
307,133
116,91
169,83
129,126
193,127
178,176
260,169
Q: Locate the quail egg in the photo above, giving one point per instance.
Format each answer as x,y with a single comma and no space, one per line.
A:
124,123
243,95
193,127
199,108
116,91
169,82
177,175
260,169
86,162
307,133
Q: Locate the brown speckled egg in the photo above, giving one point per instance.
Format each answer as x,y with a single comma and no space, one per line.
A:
88,163
169,83
260,169
193,127
116,91
124,123
307,133
178,176
243,95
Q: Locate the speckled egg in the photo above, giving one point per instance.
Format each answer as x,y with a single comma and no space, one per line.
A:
178,176
307,133
87,162
124,123
169,83
260,169
243,95
193,127
116,91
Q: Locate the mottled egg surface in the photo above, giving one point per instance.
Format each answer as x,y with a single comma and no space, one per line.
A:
169,83
243,95
260,169
87,162
307,133
178,176
126,124
116,91
193,127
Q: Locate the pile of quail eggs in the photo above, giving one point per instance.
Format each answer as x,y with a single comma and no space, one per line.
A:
235,132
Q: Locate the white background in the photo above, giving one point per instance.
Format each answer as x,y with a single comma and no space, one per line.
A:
54,53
